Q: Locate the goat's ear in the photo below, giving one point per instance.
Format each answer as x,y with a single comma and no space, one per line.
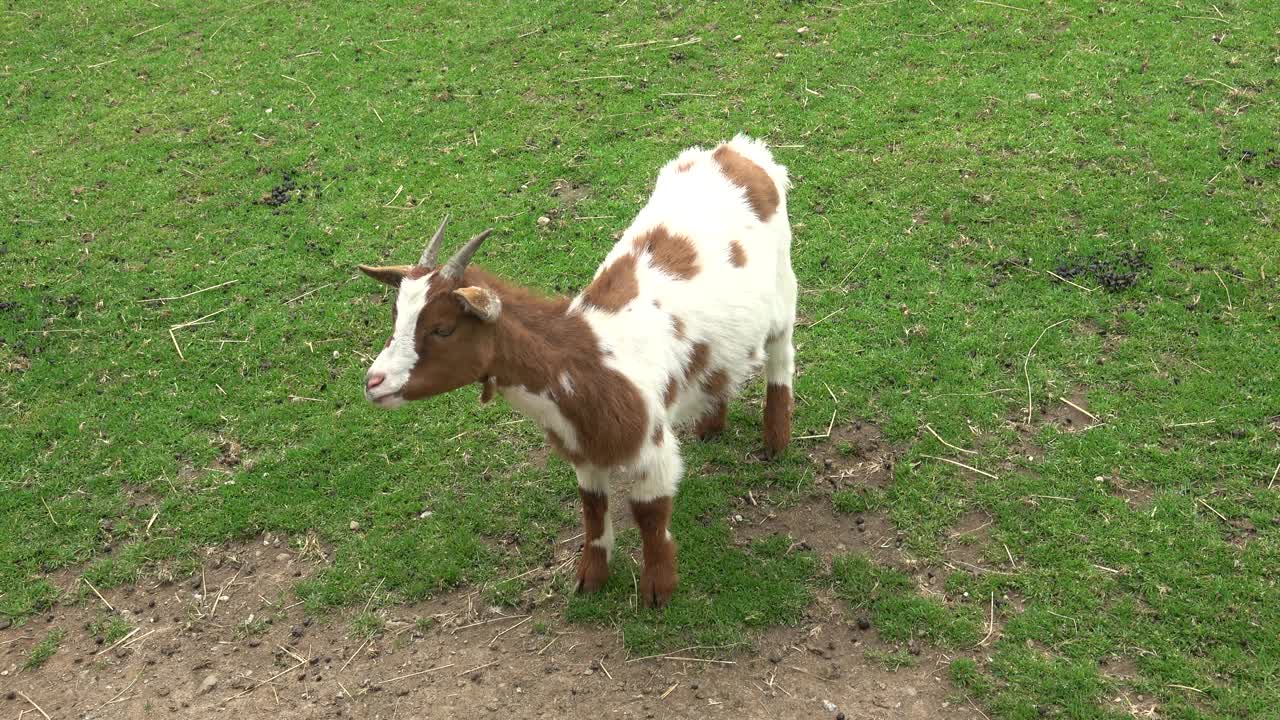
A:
481,302
389,275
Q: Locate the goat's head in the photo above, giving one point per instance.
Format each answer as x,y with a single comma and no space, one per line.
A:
443,334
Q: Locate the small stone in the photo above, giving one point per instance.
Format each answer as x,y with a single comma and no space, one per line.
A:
864,624
779,56
209,683
736,38
1033,96
802,30
544,221
282,557
296,631
775,658
355,525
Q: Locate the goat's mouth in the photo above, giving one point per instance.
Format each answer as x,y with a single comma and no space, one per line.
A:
388,400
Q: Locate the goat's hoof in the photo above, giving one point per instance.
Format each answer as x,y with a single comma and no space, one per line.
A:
656,588
768,453
593,570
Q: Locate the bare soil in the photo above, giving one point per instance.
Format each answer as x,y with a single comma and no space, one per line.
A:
856,455
1071,417
233,640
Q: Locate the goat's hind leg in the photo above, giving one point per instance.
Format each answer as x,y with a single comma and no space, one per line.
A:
652,499
780,367
597,525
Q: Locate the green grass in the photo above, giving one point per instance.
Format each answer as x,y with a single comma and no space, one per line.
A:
945,156
44,650
900,612
108,629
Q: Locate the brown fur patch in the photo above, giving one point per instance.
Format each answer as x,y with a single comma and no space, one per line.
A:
716,384
670,253
669,395
659,434
762,194
557,444
712,423
593,565
737,255
777,419
684,166
698,359
535,340
615,287
658,578
679,327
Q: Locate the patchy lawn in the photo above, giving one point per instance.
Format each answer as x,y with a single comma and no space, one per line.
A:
1039,359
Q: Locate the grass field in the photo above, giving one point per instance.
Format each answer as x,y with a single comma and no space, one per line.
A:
949,159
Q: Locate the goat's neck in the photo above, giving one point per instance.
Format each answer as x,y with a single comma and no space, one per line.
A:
537,340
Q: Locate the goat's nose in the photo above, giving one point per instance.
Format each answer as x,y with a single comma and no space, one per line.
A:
374,380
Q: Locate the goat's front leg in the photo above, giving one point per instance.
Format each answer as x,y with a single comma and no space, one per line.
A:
651,505
597,525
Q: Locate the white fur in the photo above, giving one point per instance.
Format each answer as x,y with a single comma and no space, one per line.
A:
595,480
734,310
606,539
398,358
545,412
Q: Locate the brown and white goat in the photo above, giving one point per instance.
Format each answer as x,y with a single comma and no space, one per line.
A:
696,296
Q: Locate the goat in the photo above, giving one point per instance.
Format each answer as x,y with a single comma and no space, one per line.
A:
696,296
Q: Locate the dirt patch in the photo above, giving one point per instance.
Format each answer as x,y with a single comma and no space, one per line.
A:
568,195
137,496
1242,532
1120,669
1138,497
1070,413
968,541
813,524
1123,673
230,459
233,639
855,456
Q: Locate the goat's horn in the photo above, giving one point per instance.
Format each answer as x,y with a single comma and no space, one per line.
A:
458,263
433,248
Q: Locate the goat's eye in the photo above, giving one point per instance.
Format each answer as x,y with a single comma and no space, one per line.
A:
442,332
